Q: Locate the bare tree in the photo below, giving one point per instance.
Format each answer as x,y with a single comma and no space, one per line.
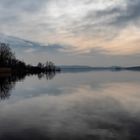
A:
6,54
40,65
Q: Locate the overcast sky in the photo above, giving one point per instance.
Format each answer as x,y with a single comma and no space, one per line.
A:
83,32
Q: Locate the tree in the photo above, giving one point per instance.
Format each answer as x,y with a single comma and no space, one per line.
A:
40,65
6,55
50,65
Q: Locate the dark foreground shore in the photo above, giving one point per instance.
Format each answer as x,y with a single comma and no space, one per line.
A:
32,70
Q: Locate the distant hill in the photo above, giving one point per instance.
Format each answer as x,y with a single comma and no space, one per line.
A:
86,67
77,68
136,68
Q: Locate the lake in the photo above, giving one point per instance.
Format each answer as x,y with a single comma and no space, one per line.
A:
99,105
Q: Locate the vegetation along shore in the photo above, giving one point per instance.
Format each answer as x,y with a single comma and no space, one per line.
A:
10,64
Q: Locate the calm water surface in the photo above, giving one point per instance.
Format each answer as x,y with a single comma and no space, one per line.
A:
72,106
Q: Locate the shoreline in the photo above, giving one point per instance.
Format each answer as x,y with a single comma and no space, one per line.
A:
5,70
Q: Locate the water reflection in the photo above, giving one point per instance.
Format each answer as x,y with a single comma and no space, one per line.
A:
7,82
82,115
5,87
48,75
83,110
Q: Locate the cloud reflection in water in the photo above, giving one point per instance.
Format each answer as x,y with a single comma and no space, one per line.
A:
109,113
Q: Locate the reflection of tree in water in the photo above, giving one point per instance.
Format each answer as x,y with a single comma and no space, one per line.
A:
7,83
5,87
48,75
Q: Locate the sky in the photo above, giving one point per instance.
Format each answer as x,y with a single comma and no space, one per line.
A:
75,32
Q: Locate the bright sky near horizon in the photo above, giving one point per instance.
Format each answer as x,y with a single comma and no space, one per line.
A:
87,32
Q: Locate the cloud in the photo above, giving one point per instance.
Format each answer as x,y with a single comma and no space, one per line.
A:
102,23
26,5
81,25
78,112
14,12
121,16
30,50
54,48
131,15
15,15
108,21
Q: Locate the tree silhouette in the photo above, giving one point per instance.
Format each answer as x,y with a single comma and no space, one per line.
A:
6,55
40,65
8,60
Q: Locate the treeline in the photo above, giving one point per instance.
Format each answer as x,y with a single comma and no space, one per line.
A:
8,60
